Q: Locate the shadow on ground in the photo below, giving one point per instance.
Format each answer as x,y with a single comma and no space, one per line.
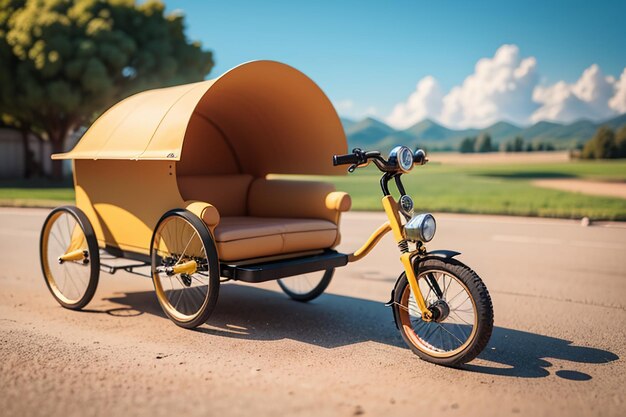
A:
248,312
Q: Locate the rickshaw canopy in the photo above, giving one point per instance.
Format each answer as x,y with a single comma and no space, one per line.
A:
258,118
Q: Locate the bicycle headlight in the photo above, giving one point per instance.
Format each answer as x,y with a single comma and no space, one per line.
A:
421,227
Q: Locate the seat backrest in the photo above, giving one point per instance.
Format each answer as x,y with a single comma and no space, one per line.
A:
228,193
290,198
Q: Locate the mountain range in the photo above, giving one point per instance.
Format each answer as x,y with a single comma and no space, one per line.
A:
371,133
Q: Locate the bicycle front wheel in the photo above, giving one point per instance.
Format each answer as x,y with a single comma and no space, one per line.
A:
462,313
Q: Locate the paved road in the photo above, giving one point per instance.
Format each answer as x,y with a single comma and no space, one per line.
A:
559,293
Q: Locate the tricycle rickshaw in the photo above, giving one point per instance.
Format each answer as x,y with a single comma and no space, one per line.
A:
178,180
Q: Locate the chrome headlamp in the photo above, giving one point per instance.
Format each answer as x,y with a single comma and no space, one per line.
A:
421,228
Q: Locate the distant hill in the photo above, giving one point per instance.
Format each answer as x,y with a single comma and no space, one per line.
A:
370,133
346,123
616,122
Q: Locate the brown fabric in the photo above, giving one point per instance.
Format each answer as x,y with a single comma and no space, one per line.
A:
227,193
290,199
338,200
252,237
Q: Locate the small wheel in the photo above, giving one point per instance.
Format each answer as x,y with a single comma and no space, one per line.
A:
461,308
306,287
185,269
69,255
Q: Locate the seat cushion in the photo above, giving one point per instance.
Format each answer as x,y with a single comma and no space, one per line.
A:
243,237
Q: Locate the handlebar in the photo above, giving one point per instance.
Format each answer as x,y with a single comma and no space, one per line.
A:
359,157
350,158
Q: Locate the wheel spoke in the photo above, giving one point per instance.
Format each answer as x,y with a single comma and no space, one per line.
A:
69,281
189,292
450,333
447,331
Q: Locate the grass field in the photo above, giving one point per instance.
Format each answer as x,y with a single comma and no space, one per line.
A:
488,189
496,189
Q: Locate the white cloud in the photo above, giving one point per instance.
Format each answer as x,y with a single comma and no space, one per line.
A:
425,101
371,111
499,89
618,102
507,87
348,108
587,98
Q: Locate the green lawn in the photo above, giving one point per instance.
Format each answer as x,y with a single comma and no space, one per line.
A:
35,193
496,189
489,189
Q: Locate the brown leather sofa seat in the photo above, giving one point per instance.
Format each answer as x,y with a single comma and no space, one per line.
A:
268,217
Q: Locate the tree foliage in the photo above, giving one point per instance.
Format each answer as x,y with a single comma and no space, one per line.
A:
64,62
605,144
483,143
472,144
467,145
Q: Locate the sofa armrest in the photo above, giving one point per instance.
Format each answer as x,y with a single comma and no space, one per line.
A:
296,199
339,201
205,211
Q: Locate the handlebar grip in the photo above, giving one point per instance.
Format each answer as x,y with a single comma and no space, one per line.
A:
346,159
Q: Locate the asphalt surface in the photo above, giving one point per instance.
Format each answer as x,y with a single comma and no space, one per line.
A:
559,293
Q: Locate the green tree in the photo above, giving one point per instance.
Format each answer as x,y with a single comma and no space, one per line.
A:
620,142
518,144
467,145
601,146
483,143
64,62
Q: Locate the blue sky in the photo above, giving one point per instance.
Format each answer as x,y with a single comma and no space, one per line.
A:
368,56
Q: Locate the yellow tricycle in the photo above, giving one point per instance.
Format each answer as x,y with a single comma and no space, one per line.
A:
181,182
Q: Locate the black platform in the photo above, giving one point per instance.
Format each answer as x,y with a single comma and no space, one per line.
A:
268,271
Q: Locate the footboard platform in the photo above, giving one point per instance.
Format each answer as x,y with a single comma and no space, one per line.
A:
268,271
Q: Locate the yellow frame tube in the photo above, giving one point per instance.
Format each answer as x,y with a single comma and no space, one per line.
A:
394,224
189,267
75,255
371,242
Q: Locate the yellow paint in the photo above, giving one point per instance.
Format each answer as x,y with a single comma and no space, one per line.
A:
124,200
243,122
405,258
371,243
75,255
189,267
391,209
252,113
394,224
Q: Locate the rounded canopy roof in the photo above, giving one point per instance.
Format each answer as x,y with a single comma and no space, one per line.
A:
258,118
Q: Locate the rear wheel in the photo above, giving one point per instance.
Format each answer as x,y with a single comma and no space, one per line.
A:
185,269
462,313
306,287
70,260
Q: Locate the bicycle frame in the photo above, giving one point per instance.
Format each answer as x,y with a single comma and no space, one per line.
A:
394,224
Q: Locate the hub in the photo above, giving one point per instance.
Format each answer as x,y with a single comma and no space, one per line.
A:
439,310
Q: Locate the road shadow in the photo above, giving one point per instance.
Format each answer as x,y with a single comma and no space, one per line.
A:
253,313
